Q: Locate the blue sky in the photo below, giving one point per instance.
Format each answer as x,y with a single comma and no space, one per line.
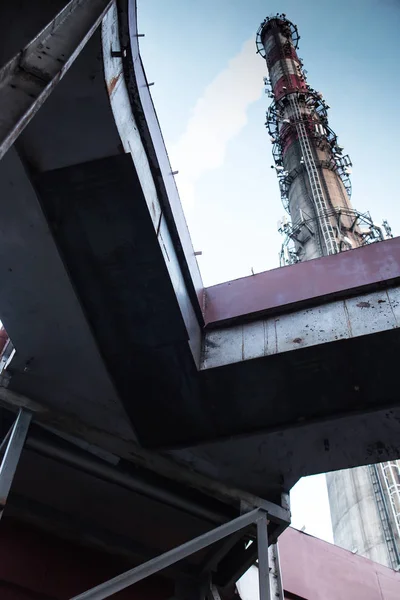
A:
209,98
350,51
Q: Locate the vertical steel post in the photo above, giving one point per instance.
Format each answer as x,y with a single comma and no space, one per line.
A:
275,575
263,562
214,593
12,454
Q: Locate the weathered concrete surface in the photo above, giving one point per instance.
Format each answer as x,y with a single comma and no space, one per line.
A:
166,213
356,522
43,315
344,319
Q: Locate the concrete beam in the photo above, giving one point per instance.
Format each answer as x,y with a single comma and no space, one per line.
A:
43,316
313,390
140,133
131,286
341,320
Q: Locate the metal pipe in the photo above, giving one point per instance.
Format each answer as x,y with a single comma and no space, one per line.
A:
6,438
263,560
275,573
114,475
171,557
12,455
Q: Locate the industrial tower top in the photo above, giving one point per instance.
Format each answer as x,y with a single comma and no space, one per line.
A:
312,169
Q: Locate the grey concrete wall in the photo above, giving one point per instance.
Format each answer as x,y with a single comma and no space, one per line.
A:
355,517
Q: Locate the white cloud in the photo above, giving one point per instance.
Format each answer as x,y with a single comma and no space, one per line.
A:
218,116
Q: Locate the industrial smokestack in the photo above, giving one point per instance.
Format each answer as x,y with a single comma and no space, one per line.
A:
312,170
315,188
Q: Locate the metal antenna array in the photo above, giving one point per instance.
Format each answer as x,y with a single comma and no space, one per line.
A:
313,171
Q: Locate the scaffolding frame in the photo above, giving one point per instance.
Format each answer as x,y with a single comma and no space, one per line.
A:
256,517
298,233
384,516
390,474
12,447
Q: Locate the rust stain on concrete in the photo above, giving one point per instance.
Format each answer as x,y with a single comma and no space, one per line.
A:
112,83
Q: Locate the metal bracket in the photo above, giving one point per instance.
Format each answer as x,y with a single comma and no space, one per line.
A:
118,53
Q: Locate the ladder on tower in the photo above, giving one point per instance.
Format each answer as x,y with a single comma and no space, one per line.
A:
391,477
314,179
384,517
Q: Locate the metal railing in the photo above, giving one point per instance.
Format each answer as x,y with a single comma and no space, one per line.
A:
384,516
390,472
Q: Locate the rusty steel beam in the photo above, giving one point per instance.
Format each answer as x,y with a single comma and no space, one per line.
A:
28,79
306,284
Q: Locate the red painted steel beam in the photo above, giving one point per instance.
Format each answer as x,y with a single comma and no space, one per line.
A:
304,284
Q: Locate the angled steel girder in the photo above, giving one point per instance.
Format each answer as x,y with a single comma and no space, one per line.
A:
28,79
257,516
15,440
